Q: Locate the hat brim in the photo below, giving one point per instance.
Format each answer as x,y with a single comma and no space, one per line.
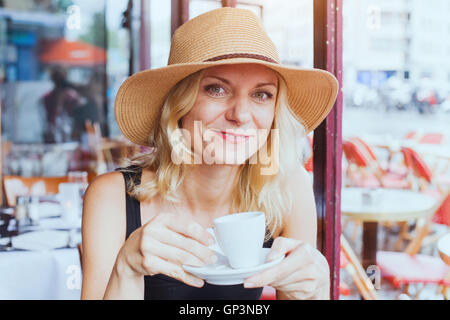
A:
311,94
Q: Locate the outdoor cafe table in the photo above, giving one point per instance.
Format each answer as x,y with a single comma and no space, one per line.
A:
393,205
40,275
50,274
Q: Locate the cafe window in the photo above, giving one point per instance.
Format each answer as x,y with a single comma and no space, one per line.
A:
395,120
197,7
61,64
160,13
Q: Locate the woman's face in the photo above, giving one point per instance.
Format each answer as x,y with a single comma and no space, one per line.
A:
233,112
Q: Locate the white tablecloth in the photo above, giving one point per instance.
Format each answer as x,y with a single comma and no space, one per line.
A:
46,275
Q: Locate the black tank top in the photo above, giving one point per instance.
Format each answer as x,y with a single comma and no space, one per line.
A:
162,287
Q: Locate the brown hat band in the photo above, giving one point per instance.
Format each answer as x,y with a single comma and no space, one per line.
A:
242,55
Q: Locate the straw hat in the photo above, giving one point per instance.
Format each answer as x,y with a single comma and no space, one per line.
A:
222,36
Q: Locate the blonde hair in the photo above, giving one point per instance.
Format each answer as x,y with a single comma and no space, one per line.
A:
254,191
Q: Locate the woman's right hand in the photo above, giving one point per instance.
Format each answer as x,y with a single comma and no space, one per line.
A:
163,245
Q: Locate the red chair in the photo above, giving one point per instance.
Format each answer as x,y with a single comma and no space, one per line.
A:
440,221
364,146
354,155
416,165
442,215
417,169
368,172
431,183
432,138
387,169
350,263
402,269
358,168
410,267
365,171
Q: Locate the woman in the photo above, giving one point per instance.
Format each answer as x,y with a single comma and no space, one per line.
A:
224,84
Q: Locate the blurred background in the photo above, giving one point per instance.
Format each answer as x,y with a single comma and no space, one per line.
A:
62,62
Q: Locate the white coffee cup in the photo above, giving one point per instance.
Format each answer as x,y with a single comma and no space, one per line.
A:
241,237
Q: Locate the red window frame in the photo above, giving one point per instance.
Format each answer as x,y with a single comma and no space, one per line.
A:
328,138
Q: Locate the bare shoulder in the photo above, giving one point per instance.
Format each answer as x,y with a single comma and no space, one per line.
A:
301,221
103,231
104,201
111,182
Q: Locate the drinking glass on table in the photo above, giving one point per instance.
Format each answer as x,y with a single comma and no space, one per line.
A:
81,178
69,198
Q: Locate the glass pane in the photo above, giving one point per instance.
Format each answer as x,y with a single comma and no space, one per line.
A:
197,7
118,57
294,40
52,70
160,21
256,8
396,117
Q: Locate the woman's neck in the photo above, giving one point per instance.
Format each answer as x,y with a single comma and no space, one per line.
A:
208,189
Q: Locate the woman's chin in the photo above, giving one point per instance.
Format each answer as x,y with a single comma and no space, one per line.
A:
228,159
234,159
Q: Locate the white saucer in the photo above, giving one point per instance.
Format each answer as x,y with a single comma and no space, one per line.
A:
220,273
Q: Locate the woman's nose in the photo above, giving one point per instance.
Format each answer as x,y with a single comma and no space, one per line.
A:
239,111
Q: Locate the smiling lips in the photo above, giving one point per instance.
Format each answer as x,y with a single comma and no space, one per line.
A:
233,137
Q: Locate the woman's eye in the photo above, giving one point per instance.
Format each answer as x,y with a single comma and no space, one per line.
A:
214,90
263,95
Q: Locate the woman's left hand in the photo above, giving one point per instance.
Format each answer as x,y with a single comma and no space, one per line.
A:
303,274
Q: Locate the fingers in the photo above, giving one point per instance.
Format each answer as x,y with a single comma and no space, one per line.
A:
271,275
189,228
177,255
282,246
201,254
153,263
170,241
303,290
303,275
